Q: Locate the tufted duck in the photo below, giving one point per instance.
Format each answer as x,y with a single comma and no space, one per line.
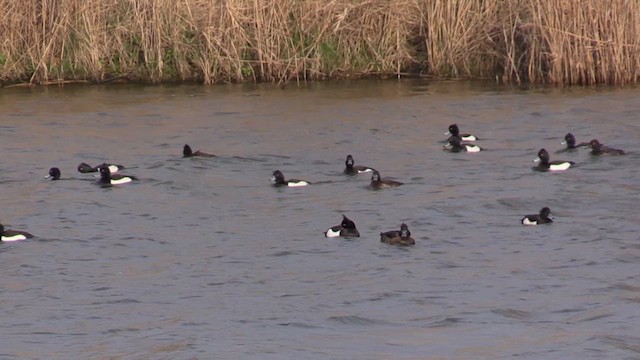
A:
346,229
395,237
187,152
13,235
546,165
352,169
536,219
278,180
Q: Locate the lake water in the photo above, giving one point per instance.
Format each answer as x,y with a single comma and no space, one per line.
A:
205,259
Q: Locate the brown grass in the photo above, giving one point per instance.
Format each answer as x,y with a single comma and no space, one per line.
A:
564,42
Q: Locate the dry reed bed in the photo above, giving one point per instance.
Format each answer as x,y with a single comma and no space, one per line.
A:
563,42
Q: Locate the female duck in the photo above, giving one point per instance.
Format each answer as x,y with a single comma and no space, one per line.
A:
455,131
455,145
54,174
85,168
346,229
598,149
278,180
187,152
379,183
546,165
352,169
395,237
108,179
13,235
542,218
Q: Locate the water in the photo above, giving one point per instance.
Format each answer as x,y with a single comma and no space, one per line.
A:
204,259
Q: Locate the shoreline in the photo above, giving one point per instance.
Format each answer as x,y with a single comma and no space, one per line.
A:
555,42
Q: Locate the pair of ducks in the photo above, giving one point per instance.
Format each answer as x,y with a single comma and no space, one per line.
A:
377,182
597,149
107,173
394,237
455,141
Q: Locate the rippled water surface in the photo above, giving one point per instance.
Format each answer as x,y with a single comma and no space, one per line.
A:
204,259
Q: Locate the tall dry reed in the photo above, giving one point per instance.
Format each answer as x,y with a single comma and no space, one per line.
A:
587,42
544,41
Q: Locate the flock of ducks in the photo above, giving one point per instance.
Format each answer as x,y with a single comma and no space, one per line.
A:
457,142
108,177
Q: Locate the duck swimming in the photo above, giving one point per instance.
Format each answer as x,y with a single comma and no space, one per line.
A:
598,149
13,235
187,152
541,218
346,229
379,183
278,180
455,145
108,179
86,168
351,169
546,165
455,131
395,237
54,174
570,141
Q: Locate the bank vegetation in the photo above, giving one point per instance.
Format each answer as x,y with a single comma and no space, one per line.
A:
563,42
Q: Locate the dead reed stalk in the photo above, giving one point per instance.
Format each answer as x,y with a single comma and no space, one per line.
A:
563,42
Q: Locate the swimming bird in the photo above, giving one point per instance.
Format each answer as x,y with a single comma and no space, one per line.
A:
107,179
187,152
346,229
54,174
570,141
546,165
395,237
542,218
352,169
455,145
13,235
379,183
599,149
455,131
278,180
86,168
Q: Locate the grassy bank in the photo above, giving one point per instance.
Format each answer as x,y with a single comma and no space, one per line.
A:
562,42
